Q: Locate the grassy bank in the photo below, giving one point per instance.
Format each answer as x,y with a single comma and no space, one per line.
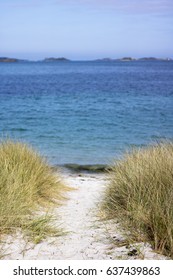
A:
140,195
27,184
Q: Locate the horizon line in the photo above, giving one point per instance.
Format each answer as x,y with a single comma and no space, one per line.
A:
63,59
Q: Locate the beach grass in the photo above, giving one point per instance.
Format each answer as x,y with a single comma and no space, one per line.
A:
28,189
140,195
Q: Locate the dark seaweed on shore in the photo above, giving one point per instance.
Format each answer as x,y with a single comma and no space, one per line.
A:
90,168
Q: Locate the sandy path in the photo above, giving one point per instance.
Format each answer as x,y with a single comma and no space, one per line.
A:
87,238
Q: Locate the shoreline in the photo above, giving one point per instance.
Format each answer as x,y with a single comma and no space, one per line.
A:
84,168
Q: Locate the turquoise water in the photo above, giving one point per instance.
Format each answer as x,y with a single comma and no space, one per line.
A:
86,112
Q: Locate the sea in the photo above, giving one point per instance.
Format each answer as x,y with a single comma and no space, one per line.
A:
86,112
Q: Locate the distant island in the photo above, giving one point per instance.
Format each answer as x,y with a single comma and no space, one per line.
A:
107,59
50,59
8,59
134,59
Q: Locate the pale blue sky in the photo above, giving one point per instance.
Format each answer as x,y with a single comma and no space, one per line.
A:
86,29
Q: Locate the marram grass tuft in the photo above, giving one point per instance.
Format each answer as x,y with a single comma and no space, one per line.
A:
27,183
140,195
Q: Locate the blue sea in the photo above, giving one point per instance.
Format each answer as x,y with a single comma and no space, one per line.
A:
86,112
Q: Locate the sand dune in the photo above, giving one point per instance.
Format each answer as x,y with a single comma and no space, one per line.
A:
88,236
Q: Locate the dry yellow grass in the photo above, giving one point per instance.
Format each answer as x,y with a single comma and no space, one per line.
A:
140,195
26,184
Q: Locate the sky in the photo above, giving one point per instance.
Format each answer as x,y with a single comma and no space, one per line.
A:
86,29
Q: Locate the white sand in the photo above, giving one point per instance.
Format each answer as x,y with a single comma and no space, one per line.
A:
88,237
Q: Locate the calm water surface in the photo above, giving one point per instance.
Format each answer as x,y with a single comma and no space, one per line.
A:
86,112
